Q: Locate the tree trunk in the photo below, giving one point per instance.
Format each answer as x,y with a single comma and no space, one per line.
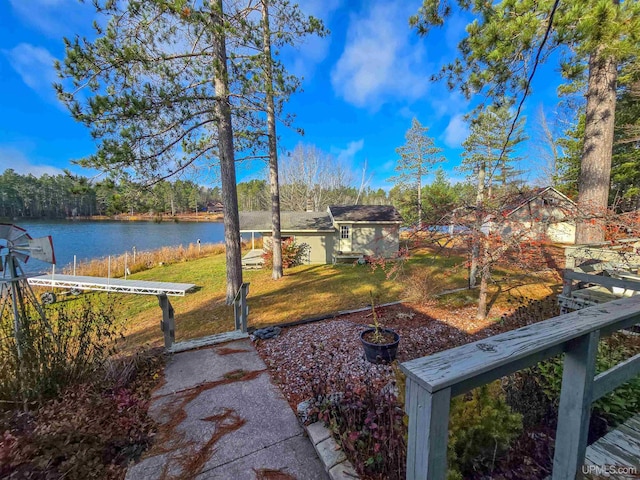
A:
595,166
484,283
419,198
276,244
475,249
227,159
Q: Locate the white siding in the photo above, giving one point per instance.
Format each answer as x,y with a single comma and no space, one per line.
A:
321,244
378,240
562,232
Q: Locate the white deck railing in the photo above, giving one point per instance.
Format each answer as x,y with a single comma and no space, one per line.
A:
433,380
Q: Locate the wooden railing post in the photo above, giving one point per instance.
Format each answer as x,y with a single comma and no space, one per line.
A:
244,308
575,405
428,432
240,308
168,323
236,314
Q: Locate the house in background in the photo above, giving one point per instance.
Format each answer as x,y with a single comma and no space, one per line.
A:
342,232
215,207
542,213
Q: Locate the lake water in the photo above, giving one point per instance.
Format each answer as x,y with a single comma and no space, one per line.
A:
94,239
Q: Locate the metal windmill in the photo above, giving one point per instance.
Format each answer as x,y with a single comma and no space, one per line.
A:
16,247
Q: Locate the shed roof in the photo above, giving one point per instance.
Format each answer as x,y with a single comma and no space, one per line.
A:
520,201
365,213
289,221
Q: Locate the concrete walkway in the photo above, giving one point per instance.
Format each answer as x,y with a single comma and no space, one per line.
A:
221,417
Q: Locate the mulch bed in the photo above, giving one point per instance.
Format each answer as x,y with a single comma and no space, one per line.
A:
329,350
332,348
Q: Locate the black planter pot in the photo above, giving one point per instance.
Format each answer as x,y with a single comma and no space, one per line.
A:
380,352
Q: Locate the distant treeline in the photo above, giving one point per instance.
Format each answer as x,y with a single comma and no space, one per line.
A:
254,195
67,195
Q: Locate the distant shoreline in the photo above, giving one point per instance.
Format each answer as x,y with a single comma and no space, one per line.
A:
202,217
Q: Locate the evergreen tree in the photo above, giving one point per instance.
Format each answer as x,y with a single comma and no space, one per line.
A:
487,151
569,163
508,39
625,169
440,198
625,166
417,157
291,25
153,88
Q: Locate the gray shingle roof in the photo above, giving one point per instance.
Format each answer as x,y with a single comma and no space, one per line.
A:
261,221
365,213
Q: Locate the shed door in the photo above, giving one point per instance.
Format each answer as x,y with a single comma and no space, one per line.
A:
346,234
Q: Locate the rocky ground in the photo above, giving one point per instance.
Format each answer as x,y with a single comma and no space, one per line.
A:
330,349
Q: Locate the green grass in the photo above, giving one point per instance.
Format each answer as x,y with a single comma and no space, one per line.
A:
303,292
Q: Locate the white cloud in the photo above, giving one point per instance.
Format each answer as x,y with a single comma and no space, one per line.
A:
312,50
303,59
346,155
35,67
445,103
54,18
406,112
11,157
379,62
320,8
456,132
388,165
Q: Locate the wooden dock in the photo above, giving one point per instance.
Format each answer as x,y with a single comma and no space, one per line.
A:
253,259
617,454
113,285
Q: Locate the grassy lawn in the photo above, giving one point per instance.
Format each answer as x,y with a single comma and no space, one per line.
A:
303,292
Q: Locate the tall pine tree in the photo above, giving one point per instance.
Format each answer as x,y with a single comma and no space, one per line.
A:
487,151
417,157
508,39
153,88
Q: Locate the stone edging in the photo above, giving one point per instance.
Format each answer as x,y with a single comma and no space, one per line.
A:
334,460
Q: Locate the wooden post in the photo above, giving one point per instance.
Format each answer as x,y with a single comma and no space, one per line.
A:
168,323
236,314
428,432
240,308
244,308
575,406
567,286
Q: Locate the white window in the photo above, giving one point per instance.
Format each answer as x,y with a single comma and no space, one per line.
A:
344,231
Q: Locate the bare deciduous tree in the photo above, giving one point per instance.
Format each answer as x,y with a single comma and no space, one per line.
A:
312,179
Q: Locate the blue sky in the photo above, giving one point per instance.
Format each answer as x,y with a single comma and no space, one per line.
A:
362,86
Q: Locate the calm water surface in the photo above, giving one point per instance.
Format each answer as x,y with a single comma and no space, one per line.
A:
94,239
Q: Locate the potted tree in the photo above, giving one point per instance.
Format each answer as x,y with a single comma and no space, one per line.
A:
380,344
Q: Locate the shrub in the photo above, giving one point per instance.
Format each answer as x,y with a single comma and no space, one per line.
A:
424,284
368,423
293,254
615,407
67,348
91,430
481,428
